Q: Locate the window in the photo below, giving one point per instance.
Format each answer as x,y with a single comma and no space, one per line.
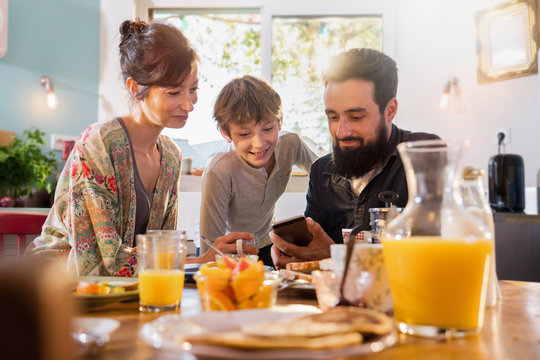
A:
285,42
228,43
301,49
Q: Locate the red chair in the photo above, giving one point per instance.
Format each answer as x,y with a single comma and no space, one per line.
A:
20,225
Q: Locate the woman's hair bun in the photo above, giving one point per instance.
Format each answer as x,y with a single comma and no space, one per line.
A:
128,28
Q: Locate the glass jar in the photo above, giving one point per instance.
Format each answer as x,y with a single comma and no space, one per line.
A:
437,255
475,201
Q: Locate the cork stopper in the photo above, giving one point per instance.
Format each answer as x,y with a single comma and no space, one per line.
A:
470,173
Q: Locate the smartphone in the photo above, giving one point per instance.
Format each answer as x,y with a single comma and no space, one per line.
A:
293,230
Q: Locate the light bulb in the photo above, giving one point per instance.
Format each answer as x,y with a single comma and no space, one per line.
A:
47,83
51,100
458,102
443,103
445,96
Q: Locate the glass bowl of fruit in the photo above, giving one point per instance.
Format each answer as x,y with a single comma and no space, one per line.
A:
233,285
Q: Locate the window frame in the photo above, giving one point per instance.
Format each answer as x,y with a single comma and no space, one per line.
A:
279,8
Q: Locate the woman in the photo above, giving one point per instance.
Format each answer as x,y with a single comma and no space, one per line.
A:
122,177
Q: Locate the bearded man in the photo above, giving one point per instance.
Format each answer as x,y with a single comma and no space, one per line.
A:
360,104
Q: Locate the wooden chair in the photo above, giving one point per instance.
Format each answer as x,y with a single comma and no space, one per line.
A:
20,225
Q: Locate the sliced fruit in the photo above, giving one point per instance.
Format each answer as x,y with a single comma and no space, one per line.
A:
215,272
248,282
241,266
87,288
217,278
127,285
229,292
229,262
246,304
217,300
263,299
116,289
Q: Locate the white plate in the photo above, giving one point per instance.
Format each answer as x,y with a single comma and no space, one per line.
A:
104,299
164,332
302,285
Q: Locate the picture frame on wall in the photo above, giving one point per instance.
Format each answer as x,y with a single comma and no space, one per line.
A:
507,41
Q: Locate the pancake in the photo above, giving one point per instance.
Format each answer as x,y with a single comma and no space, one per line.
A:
244,341
338,320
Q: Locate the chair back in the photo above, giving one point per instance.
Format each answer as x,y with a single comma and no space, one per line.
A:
21,225
37,309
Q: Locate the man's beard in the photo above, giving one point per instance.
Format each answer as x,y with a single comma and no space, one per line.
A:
356,162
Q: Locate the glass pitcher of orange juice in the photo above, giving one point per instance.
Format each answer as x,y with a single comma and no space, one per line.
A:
436,253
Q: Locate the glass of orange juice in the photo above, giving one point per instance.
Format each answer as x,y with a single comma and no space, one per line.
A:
161,270
437,255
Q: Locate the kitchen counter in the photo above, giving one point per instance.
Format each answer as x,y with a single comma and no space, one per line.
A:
517,246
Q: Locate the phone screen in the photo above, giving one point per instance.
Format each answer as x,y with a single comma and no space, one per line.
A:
293,230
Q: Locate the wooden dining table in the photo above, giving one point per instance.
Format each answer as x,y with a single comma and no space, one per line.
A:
511,329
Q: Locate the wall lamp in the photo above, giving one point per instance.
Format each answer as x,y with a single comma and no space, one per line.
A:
452,94
47,83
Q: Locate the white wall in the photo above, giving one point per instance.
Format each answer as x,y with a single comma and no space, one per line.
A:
435,41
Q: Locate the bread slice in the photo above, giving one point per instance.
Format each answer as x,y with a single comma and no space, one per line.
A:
295,275
304,266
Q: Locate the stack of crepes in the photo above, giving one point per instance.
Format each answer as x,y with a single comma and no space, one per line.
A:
339,327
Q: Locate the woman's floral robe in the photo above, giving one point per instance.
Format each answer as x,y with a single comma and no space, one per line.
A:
93,216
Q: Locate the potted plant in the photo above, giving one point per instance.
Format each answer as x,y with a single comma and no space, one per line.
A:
24,167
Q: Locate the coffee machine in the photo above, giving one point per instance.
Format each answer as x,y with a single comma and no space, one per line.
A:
506,181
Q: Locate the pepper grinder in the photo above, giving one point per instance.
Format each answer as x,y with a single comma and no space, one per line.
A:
379,217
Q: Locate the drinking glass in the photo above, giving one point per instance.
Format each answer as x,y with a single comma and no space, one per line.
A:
161,270
437,254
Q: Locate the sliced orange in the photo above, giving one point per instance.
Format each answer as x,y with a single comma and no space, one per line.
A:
215,272
248,282
214,277
263,299
87,288
217,300
246,304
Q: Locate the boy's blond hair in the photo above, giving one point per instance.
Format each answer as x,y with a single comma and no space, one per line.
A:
246,99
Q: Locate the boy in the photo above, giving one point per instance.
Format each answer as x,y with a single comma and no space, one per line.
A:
244,180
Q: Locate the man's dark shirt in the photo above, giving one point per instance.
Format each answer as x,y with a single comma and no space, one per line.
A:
331,201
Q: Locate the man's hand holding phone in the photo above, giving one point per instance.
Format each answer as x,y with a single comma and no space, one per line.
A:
284,252
293,230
